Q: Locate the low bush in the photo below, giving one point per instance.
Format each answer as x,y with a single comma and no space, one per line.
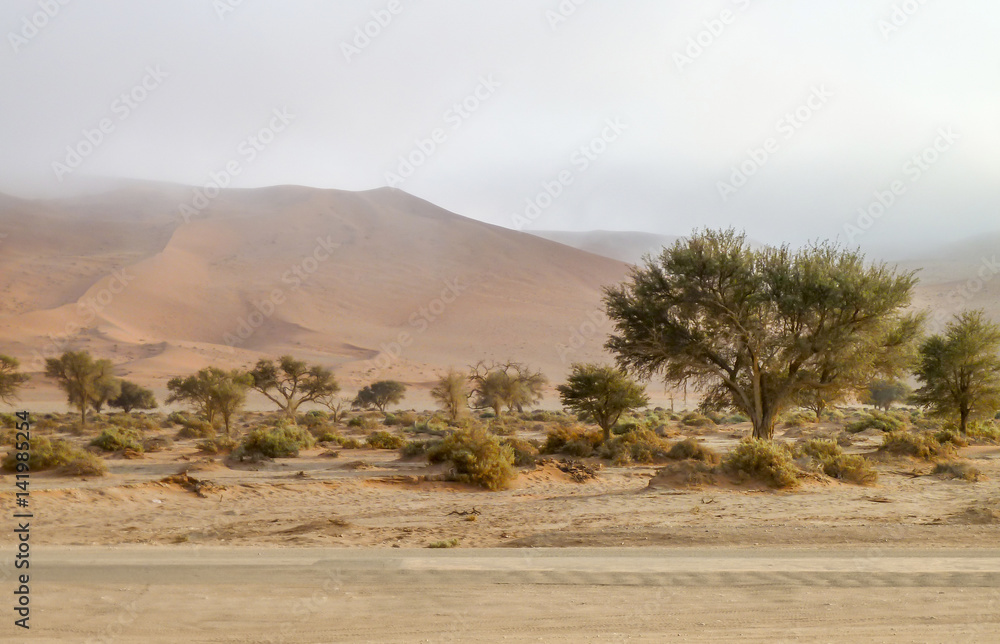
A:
363,422
414,448
384,440
922,445
450,543
8,420
572,440
762,460
48,454
477,457
694,419
690,448
196,428
799,418
277,442
734,419
985,432
836,464
217,445
157,443
962,470
638,446
430,428
525,451
950,435
114,439
876,420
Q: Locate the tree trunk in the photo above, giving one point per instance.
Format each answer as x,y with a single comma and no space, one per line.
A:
763,426
964,419
83,415
607,432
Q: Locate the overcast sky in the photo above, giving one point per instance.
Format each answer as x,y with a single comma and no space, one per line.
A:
778,116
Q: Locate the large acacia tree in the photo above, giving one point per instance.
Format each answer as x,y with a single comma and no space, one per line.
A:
756,328
86,381
601,393
960,369
290,382
10,378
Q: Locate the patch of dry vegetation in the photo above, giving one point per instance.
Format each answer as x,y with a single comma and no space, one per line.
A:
477,457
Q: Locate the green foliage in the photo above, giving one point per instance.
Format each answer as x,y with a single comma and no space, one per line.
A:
114,439
476,457
11,380
131,396
289,382
452,393
511,384
283,441
87,382
960,370
213,392
217,445
987,432
362,422
9,420
883,394
755,328
852,468
379,395
601,394
414,448
48,454
695,419
196,428
762,460
876,420
950,435
690,448
572,440
525,452
922,445
384,440
639,446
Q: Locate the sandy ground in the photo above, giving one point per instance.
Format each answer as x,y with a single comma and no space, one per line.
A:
183,594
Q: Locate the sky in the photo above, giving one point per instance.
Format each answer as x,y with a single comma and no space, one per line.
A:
872,122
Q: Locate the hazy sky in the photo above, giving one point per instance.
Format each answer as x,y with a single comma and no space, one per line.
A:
778,116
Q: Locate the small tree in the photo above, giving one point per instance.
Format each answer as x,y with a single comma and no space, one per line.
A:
379,395
755,328
510,384
132,396
290,382
601,394
960,370
212,392
336,404
10,378
86,381
452,393
104,392
883,394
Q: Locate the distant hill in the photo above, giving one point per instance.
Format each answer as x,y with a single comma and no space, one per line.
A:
625,246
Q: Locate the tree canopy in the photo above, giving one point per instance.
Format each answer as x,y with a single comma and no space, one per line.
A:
380,395
509,384
452,393
213,392
290,382
755,328
883,394
960,369
602,394
10,378
87,382
132,396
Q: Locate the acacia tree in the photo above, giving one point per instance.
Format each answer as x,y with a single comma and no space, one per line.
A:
882,394
960,370
85,380
133,396
755,329
104,392
10,378
379,395
509,384
212,392
290,382
602,394
451,392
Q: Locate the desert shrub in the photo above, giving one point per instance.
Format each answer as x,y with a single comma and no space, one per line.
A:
762,460
477,457
133,421
690,448
694,419
8,420
876,420
178,418
639,446
348,443
216,445
313,418
411,449
950,435
626,425
48,454
962,470
326,436
922,445
363,422
983,432
195,428
157,443
278,442
450,543
819,448
384,440
525,452
572,440
836,464
401,419
733,419
430,427
114,439
799,418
